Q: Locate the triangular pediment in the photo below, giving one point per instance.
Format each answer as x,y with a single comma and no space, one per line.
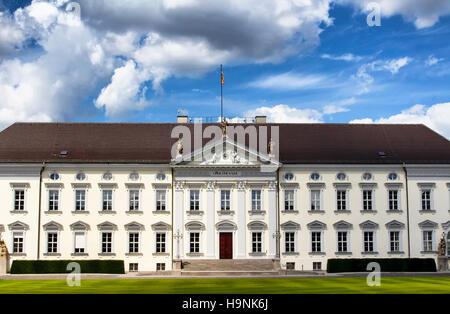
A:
225,152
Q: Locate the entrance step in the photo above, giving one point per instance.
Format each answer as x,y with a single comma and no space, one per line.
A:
238,265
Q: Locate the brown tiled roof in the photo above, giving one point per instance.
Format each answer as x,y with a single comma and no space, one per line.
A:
151,143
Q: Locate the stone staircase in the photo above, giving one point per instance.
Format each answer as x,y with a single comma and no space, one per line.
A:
230,265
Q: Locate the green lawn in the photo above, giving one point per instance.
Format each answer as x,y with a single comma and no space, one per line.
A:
231,285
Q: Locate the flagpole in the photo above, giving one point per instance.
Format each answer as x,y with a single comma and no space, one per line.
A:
221,93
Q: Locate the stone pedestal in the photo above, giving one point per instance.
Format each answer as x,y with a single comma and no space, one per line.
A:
442,263
176,265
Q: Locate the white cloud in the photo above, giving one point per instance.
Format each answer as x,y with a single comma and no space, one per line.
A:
423,13
435,117
345,57
290,81
432,60
11,36
338,107
285,114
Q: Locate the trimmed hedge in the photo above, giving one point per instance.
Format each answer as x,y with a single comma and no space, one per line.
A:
344,265
60,266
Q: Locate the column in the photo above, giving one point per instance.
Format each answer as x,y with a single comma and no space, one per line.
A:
272,216
210,219
178,214
241,240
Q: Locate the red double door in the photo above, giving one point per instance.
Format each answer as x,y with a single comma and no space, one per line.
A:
226,245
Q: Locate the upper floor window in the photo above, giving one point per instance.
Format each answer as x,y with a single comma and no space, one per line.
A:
393,176
160,177
426,199
393,200
315,200
81,176
54,176
367,200
107,200
289,176
341,196
315,176
288,200
134,176
19,200
134,200
367,176
225,200
256,200
80,200
53,200
160,200
341,176
107,176
195,200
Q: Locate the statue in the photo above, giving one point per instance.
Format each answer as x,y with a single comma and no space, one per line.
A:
180,148
271,147
3,250
442,246
224,127
236,158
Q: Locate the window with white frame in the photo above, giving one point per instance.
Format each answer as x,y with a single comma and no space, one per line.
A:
448,244
315,200
426,199
394,241
53,200
161,242
341,199
194,200
52,242
107,238
369,241
107,200
367,200
256,242
393,200
342,241
18,242
289,242
134,200
133,242
79,242
161,200
225,200
289,200
256,200
80,200
194,242
316,241
19,200
427,238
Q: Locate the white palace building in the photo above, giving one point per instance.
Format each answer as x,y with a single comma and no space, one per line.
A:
284,195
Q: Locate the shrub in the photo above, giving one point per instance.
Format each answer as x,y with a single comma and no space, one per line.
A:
344,265
60,266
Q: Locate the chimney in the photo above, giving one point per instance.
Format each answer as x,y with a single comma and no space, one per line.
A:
182,119
260,119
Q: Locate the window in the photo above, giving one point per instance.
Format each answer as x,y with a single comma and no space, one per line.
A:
54,176
133,242
394,241
256,200
392,176
160,200
426,200
256,242
80,242
428,241
134,176
341,176
289,176
107,200
317,265
315,176
448,244
342,241
80,176
195,200
316,241
289,238
133,267
19,200
160,243
368,241
106,242
290,265
160,177
107,176
53,204
288,200
160,266
367,176
341,200
80,200
225,200
134,200
18,241
393,200
52,242
194,242
367,200
315,200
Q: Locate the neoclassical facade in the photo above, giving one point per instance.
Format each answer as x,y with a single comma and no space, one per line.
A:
114,191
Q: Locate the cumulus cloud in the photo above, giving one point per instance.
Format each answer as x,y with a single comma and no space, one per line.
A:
286,114
11,36
423,13
435,117
290,81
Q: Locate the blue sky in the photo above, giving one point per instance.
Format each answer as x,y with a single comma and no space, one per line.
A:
116,63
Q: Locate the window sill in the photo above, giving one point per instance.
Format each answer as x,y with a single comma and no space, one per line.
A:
256,212
317,253
162,212
342,212
343,253
160,254
79,254
18,254
134,212
107,212
133,254
428,252
194,254
52,254
194,212
289,211
76,212
396,253
106,254
225,212
316,211
18,212
257,254
432,211
290,253
53,212
394,211
369,253
368,211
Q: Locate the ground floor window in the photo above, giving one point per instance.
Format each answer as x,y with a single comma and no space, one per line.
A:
18,240
133,267
290,266
289,238
160,266
194,242
317,265
256,242
394,241
368,241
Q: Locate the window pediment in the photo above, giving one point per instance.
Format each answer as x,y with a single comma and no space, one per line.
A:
290,225
194,225
226,225
161,226
342,225
79,226
368,224
316,225
18,225
257,225
134,226
394,224
107,226
53,226
428,224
